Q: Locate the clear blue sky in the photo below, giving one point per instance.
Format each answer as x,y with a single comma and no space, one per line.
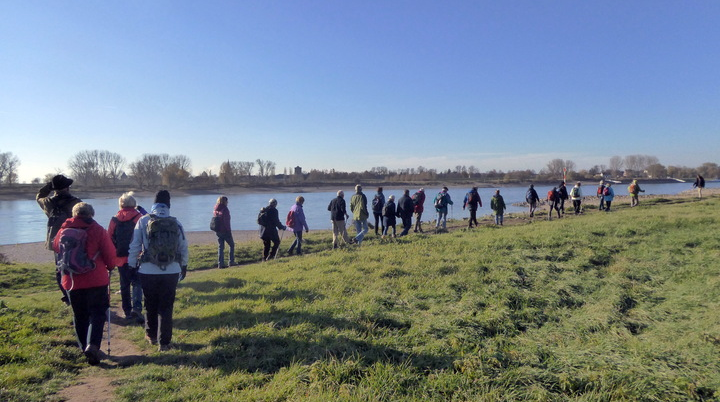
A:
351,85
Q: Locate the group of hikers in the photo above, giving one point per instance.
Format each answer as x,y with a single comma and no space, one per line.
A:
150,250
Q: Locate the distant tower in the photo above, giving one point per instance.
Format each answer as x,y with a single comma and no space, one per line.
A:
298,171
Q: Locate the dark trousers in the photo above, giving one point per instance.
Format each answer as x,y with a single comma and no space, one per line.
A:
159,291
387,224
90,308
130,290
267,253
223,238
297,242
576,205
607,205
473,218
562,205
379,222
602,203
407,224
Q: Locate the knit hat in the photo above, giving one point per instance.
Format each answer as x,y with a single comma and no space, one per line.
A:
60,182
162,197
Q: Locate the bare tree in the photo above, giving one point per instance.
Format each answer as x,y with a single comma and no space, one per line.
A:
9,168
84,167
709,170
616,164
110,166
244,168
657,171
176,171
265,168
147,170
555,167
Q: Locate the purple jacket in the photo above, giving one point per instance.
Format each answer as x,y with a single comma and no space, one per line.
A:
298,215
222,211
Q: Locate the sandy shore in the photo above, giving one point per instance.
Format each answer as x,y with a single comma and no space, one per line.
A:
36,253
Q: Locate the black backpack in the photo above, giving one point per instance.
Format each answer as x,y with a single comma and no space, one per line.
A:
377,204
262,218
122,236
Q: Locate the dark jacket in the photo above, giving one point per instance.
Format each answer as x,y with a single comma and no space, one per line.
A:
562,191
98,246
222,212
389,212
472,200
57,208
337,209
497,204
531,195
378,202
419,201
269,231
405,207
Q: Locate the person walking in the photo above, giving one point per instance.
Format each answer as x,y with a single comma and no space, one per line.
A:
87,292
699,184
269,223
441,202
553,200
296,222
601,194
389,216
160,248
471,202
497,204
532,198
418,208
609,195
576,196
57,207
377,206
223,231
338,214
358,207
121,229
562,191
634,190
405,209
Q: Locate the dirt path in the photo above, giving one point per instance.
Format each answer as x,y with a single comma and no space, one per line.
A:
94,384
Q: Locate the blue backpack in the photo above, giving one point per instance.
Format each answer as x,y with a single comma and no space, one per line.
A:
73,258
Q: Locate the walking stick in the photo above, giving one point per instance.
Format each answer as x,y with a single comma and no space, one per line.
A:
108,312
278,249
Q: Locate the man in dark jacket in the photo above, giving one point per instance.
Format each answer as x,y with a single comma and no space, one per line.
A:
58,208
269,222
472,202
338,214
405,210
532,198
563,193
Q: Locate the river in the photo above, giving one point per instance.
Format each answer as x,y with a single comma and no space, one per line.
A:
24,222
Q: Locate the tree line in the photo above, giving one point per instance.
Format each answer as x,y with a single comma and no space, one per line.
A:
98,168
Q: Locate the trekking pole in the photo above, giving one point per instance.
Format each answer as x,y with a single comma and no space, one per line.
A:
108,312
278,250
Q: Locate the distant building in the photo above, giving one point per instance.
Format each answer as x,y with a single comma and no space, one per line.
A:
298,171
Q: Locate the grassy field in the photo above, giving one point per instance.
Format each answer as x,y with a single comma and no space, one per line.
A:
617,306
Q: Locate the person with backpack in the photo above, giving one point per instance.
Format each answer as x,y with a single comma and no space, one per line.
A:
418,200
441,202
608,195
405,209
58,208
121,229
269,222
553,200
497,204
160,248
634,190
338,214
699,184
563,194
576,196
532,198
86,255
223,231
601,195
358,207
389,214
471,202
377,207
296,221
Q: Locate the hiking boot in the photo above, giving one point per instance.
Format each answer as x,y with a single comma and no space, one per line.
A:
164,348
139,319
92,353
65,300
222,266
151,340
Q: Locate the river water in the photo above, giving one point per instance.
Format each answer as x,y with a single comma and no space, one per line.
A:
22,221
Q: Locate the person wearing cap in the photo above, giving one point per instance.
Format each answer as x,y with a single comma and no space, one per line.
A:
497,204
418,208
634,190
159,280
601,194
57,207
269,230
358,207
338,214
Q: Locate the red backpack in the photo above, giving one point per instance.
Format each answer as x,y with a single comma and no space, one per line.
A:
551,195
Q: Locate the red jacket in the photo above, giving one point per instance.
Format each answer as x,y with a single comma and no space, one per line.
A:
123,215
98,242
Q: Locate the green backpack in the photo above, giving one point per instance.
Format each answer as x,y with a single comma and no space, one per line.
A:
163,241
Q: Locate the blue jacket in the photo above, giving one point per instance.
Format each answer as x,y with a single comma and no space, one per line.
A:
609,194
140,242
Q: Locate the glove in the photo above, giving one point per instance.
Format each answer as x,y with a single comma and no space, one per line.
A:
183,272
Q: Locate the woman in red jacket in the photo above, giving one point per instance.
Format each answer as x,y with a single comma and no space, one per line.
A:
88,292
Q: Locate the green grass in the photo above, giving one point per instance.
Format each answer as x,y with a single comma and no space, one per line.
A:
618,306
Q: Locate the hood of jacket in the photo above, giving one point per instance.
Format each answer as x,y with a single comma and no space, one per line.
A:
127,214
160,210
